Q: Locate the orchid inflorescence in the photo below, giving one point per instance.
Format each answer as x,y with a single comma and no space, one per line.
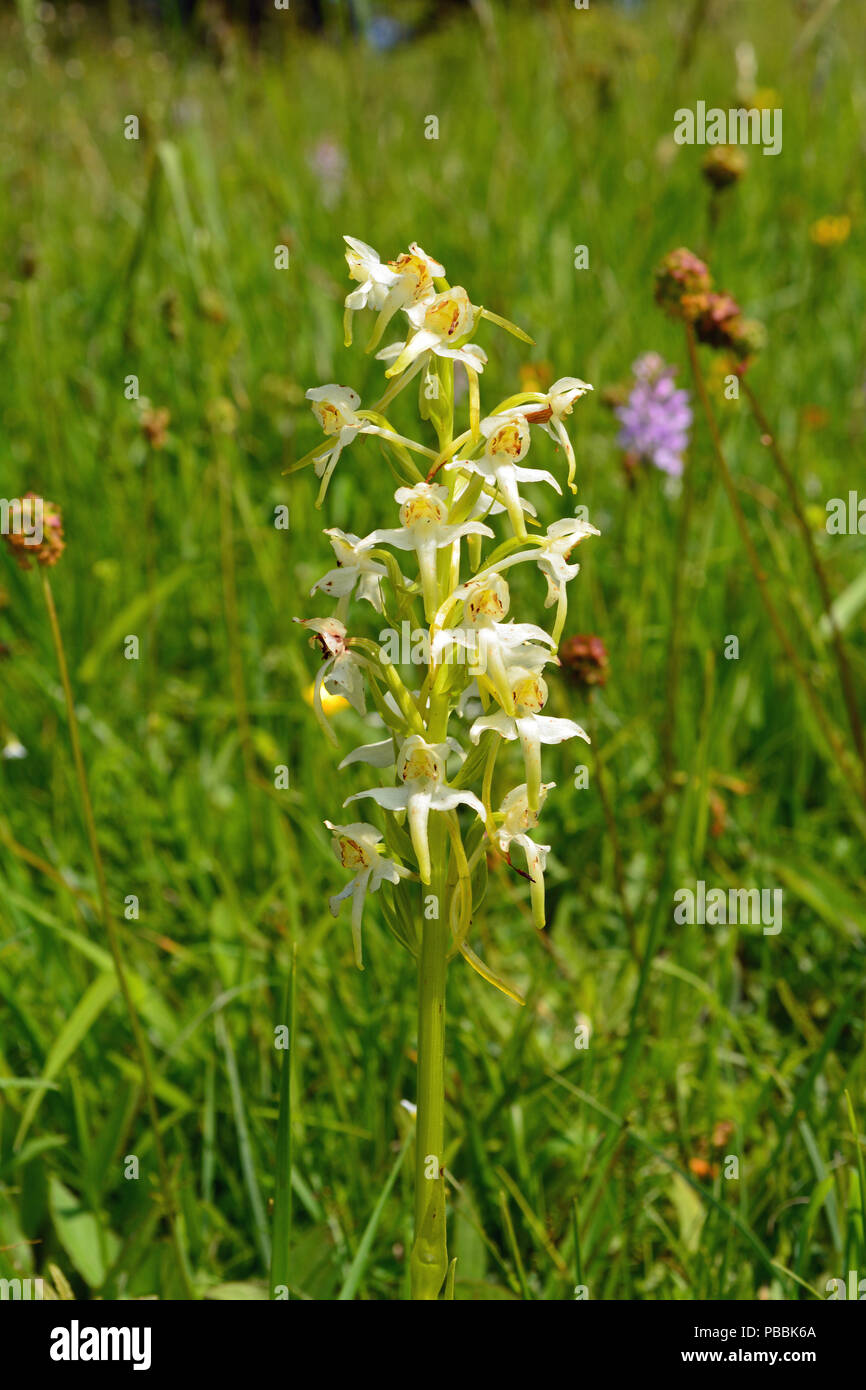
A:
478,666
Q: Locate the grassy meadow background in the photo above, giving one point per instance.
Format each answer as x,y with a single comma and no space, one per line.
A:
155,258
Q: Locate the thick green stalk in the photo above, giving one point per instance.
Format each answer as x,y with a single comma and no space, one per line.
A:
429,1263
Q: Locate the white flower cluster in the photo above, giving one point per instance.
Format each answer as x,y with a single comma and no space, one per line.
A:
470,478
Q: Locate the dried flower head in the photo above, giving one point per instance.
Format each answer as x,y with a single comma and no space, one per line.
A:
719,322
680,273
711,313
684,290
33,530
585,659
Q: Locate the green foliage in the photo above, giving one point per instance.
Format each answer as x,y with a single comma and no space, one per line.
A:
155,258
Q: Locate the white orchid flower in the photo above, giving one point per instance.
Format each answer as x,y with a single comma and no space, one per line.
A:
387,287
375,281
421,770
552,560
357,848
335,407
507,437
337,410
441,324
494,646
517,820
548,410
355,569
529,695
552,557
341,667
424,528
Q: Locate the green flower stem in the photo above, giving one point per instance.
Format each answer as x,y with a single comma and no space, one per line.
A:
429,1261
398,384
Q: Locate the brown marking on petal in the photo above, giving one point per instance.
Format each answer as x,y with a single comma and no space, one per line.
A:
352,855
536,414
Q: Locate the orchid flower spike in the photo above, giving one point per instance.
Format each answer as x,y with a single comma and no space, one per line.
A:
474,474
421,769
529,695
357,847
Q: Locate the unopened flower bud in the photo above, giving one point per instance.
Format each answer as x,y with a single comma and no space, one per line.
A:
723,165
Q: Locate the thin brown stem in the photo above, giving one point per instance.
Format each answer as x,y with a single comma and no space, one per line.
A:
675,648
834,743
846,678
166,1183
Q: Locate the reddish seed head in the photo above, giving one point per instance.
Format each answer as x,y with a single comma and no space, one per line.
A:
680,273
711,313
719,323
584,657
35,531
